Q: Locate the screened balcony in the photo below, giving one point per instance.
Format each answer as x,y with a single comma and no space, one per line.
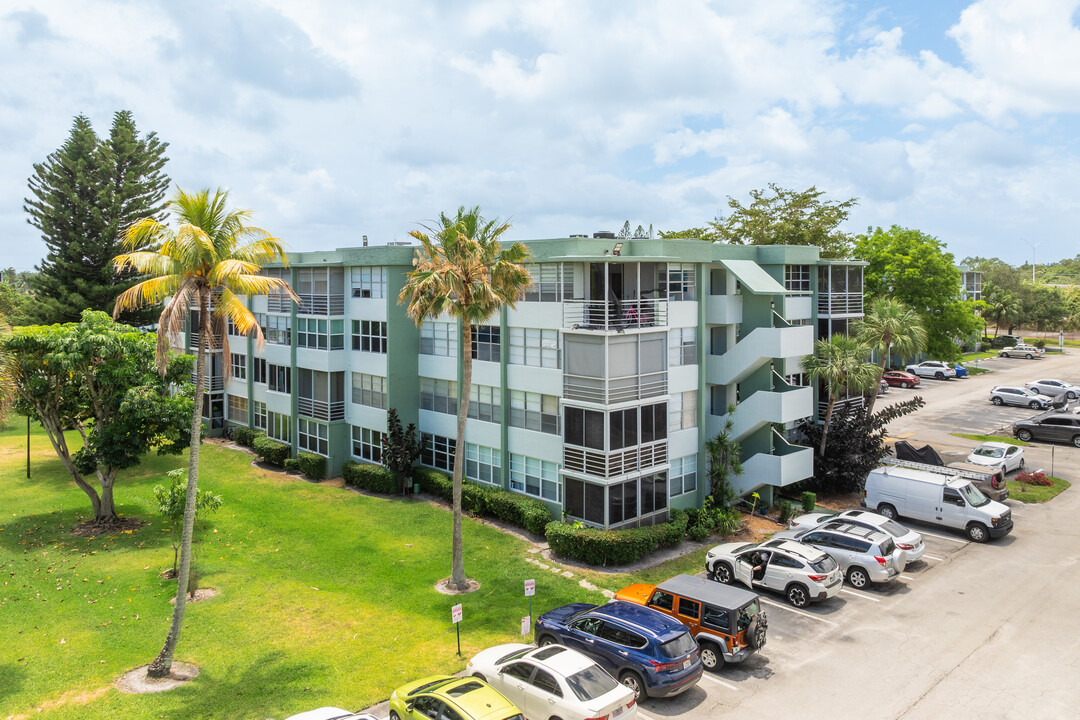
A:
615,443
623,296
616,368
320,395
321,291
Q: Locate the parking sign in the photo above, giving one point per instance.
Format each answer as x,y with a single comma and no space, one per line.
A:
525,623
455,614
530,588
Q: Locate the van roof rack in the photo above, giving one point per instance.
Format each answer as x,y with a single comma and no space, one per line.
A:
938,469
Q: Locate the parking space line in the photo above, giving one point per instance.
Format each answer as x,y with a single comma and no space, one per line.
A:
710,678
943,537
642,715
931,557
907,577
798,612
859,595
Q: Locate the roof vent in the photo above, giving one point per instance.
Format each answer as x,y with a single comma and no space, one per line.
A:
581,235
365,241
604,234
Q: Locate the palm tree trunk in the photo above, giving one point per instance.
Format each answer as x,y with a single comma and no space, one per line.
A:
828,419
458,581
162,665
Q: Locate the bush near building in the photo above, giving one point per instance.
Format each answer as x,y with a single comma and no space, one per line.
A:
529,513
614,547
313,466
271,451
373,478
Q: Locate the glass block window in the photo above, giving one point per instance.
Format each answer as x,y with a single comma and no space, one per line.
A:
367,444
682,411
238,409
485,403
534,411
313,436
369,282
797,278
682,478
483,464
538,478
682,347
439,338
438,451
439,395
238,365
682,281
369,390
534,347
369,336
485,343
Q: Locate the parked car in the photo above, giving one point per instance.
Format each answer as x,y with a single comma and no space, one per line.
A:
330,713
1008,395
1026,351
444,697
932,369
1054,388
940,498
899,378
883,387
990,480
1007,341
961,371
1055,427
553,682
727,622
998,454
649,652
906,539
802,573
865,555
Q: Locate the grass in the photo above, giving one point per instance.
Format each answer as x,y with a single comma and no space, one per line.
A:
1036,493
991,438
972,356
323,600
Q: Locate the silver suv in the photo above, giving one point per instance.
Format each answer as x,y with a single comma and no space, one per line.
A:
865,555
1009,395
906,539
801,572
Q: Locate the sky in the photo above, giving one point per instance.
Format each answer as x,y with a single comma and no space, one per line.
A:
334,119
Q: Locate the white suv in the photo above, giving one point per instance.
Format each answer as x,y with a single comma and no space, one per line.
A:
801,572
932,369
1009,395
865,555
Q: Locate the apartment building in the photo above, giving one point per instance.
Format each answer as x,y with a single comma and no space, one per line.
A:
596,393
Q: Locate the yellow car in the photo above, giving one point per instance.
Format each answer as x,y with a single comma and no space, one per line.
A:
444,697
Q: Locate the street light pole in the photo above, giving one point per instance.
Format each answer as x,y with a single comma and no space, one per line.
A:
1033,256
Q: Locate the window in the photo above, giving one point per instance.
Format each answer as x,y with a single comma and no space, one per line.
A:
320,334
369,390
260,415
797,278
585,500
313,436
682,347
369,282
538,478
483,463
653,493
238,365
485,403
716,619
653,423
683,476
534,411
279,378
369,336
258,370
546,681
276,328
230,327
439,338
689,608
485,343
682,410
785,561
663,600
278,427
623,428
797,380
439,395
534,347
238,409
367,444
521,671
584,428
551,282
682,281
622,502
438,451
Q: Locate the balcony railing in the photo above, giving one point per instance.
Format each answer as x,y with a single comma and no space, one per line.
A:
615,315
607,391
212,382
320,409
310,304
215,342
617,462
840,304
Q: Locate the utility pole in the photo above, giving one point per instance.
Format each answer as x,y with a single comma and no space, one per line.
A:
1033,246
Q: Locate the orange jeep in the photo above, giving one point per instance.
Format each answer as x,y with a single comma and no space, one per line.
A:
727,622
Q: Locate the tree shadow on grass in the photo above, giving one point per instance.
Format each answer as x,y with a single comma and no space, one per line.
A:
11,679
53,531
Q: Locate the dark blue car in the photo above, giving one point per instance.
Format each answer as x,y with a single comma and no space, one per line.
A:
647,651
961,371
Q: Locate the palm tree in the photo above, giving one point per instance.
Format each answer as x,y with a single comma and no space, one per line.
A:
890,326
215,254
839,363
464,272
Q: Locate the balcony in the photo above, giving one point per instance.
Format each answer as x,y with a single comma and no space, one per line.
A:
723,309
598,463
795,307
211,382
608,391
787,464
615,315
840,304
214,344
310,304
320,409
759,347
784,405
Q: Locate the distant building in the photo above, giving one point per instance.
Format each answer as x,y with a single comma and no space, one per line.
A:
970,283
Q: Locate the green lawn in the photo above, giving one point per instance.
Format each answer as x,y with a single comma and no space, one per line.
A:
991,438
326,595
1036,493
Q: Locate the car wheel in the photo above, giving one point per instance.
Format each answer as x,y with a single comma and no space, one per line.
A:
1020,466
904,384
632,680
1071,395
939,376
887,511
1028,356
977,532
394,715
1025,435
997,401
545,640
480,677
1034,405
858,577
1076,440
798,596
724,573
711,657
1004,354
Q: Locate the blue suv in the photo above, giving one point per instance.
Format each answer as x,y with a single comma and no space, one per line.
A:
646,650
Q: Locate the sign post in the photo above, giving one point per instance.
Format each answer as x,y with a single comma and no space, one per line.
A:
525,623
455,617
530,590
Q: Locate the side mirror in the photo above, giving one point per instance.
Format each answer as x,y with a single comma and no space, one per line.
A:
409,707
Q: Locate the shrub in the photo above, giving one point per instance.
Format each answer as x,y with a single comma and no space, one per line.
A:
726,521
1040,343
245,436
434,482
313,466
809,501
373,478
525,512
614,547
1034,478
698,532
292,465
787,510
272,451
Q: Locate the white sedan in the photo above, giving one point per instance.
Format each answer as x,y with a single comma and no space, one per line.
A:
998,455
553,682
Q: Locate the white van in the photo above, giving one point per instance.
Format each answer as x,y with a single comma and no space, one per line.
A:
941,498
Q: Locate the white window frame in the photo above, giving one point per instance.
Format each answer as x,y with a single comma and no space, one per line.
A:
367,444
369,390
368,282
529,410
682,346
543,475
237,410
535,347
238,365
439,396
369,336
483,464
683,471
313,436
439,339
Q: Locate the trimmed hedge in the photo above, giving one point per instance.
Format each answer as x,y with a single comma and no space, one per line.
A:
374,478
614,547
292,465
313,466
246,436
529,513
272,451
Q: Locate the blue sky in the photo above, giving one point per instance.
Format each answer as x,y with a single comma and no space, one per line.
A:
333,120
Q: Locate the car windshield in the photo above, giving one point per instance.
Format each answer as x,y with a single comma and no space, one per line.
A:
681,645
894,528
973,495
513,656
824,565
990,452
1028,392
591,683
747,614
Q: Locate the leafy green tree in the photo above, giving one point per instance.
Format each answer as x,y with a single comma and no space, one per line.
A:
778,216
15,306
724,461
464,272
172,500
400,449
213,253
840,364
698,233
96,379
1002,306
890,326
82,199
